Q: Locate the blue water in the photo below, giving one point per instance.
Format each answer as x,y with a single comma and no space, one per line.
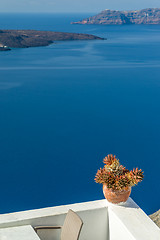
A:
66,106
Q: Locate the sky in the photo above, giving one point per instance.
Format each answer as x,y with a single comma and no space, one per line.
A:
71,6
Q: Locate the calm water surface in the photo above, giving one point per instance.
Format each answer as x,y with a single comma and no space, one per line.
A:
66,106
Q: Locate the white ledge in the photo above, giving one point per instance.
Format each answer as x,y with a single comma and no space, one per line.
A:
102,221
14,233
10,219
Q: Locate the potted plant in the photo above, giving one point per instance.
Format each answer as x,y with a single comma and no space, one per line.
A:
117,180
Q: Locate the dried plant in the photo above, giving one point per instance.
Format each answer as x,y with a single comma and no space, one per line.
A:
117,176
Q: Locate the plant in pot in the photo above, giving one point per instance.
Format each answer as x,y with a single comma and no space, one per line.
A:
117,180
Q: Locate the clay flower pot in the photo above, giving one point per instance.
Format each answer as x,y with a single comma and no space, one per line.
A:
116,176
116,196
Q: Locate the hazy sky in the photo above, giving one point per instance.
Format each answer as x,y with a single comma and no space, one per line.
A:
74,5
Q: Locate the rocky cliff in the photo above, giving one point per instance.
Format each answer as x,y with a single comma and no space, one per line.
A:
33,38
111,17
156,218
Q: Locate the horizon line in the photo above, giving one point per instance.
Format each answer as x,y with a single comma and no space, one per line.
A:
78,12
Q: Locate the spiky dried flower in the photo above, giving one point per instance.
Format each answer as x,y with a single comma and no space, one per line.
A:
116,176
109,159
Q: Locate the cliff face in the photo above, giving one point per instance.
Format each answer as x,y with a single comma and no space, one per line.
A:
111,17
33,38
156,218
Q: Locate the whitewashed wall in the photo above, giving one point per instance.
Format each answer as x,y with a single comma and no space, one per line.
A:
102,221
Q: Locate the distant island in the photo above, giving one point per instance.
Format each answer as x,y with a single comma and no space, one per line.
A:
113,17
32,38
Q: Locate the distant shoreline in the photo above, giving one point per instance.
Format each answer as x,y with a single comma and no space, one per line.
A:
33,38
4,48
115,17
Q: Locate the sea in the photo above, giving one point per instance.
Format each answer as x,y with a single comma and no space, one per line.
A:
64,107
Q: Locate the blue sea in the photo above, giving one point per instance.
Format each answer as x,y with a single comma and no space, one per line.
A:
66,106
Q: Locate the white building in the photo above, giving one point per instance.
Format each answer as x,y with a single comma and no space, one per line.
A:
101,221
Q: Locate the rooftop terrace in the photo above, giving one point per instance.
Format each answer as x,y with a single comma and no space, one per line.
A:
102,221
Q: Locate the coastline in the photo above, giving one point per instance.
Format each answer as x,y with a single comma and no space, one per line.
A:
33,38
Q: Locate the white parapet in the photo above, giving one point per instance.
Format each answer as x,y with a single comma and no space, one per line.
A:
22,232
129,222
102,221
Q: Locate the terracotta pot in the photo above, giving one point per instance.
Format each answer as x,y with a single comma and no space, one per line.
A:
116,196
